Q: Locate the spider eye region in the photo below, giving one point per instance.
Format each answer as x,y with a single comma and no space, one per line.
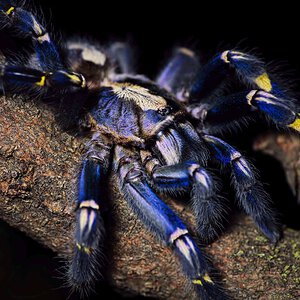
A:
140,96
140,111
165,110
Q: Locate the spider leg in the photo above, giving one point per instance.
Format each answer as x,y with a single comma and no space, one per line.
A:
89,58
176,174
233,108
89,233
164,223
249,191
249,68
21,79
54,73
124,56
177,76
206,205
26,24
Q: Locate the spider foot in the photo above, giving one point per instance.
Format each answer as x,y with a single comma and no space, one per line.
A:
206,205
249,191
84,267
166,226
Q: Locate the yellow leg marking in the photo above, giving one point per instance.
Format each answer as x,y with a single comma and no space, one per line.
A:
44,38
197,281
83,83
87,250
207,278
296,124
263,81
74,78
10,10
37,27
77,79
42,81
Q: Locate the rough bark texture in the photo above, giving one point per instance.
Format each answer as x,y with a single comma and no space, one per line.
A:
286,149
38,170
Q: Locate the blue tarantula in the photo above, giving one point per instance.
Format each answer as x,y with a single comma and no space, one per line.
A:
154,136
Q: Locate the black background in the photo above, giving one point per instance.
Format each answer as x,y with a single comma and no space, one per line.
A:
27,270
155,27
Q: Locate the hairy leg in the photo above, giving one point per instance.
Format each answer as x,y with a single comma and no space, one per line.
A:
164,223
89,233
249,191
228,110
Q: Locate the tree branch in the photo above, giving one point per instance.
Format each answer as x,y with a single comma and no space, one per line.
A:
38,174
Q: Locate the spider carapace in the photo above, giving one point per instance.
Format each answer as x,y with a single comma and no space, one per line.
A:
156,136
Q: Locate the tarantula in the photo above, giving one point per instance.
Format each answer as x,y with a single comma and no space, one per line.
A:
155,136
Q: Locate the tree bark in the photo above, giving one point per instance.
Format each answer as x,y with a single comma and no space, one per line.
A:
286,149
38,178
